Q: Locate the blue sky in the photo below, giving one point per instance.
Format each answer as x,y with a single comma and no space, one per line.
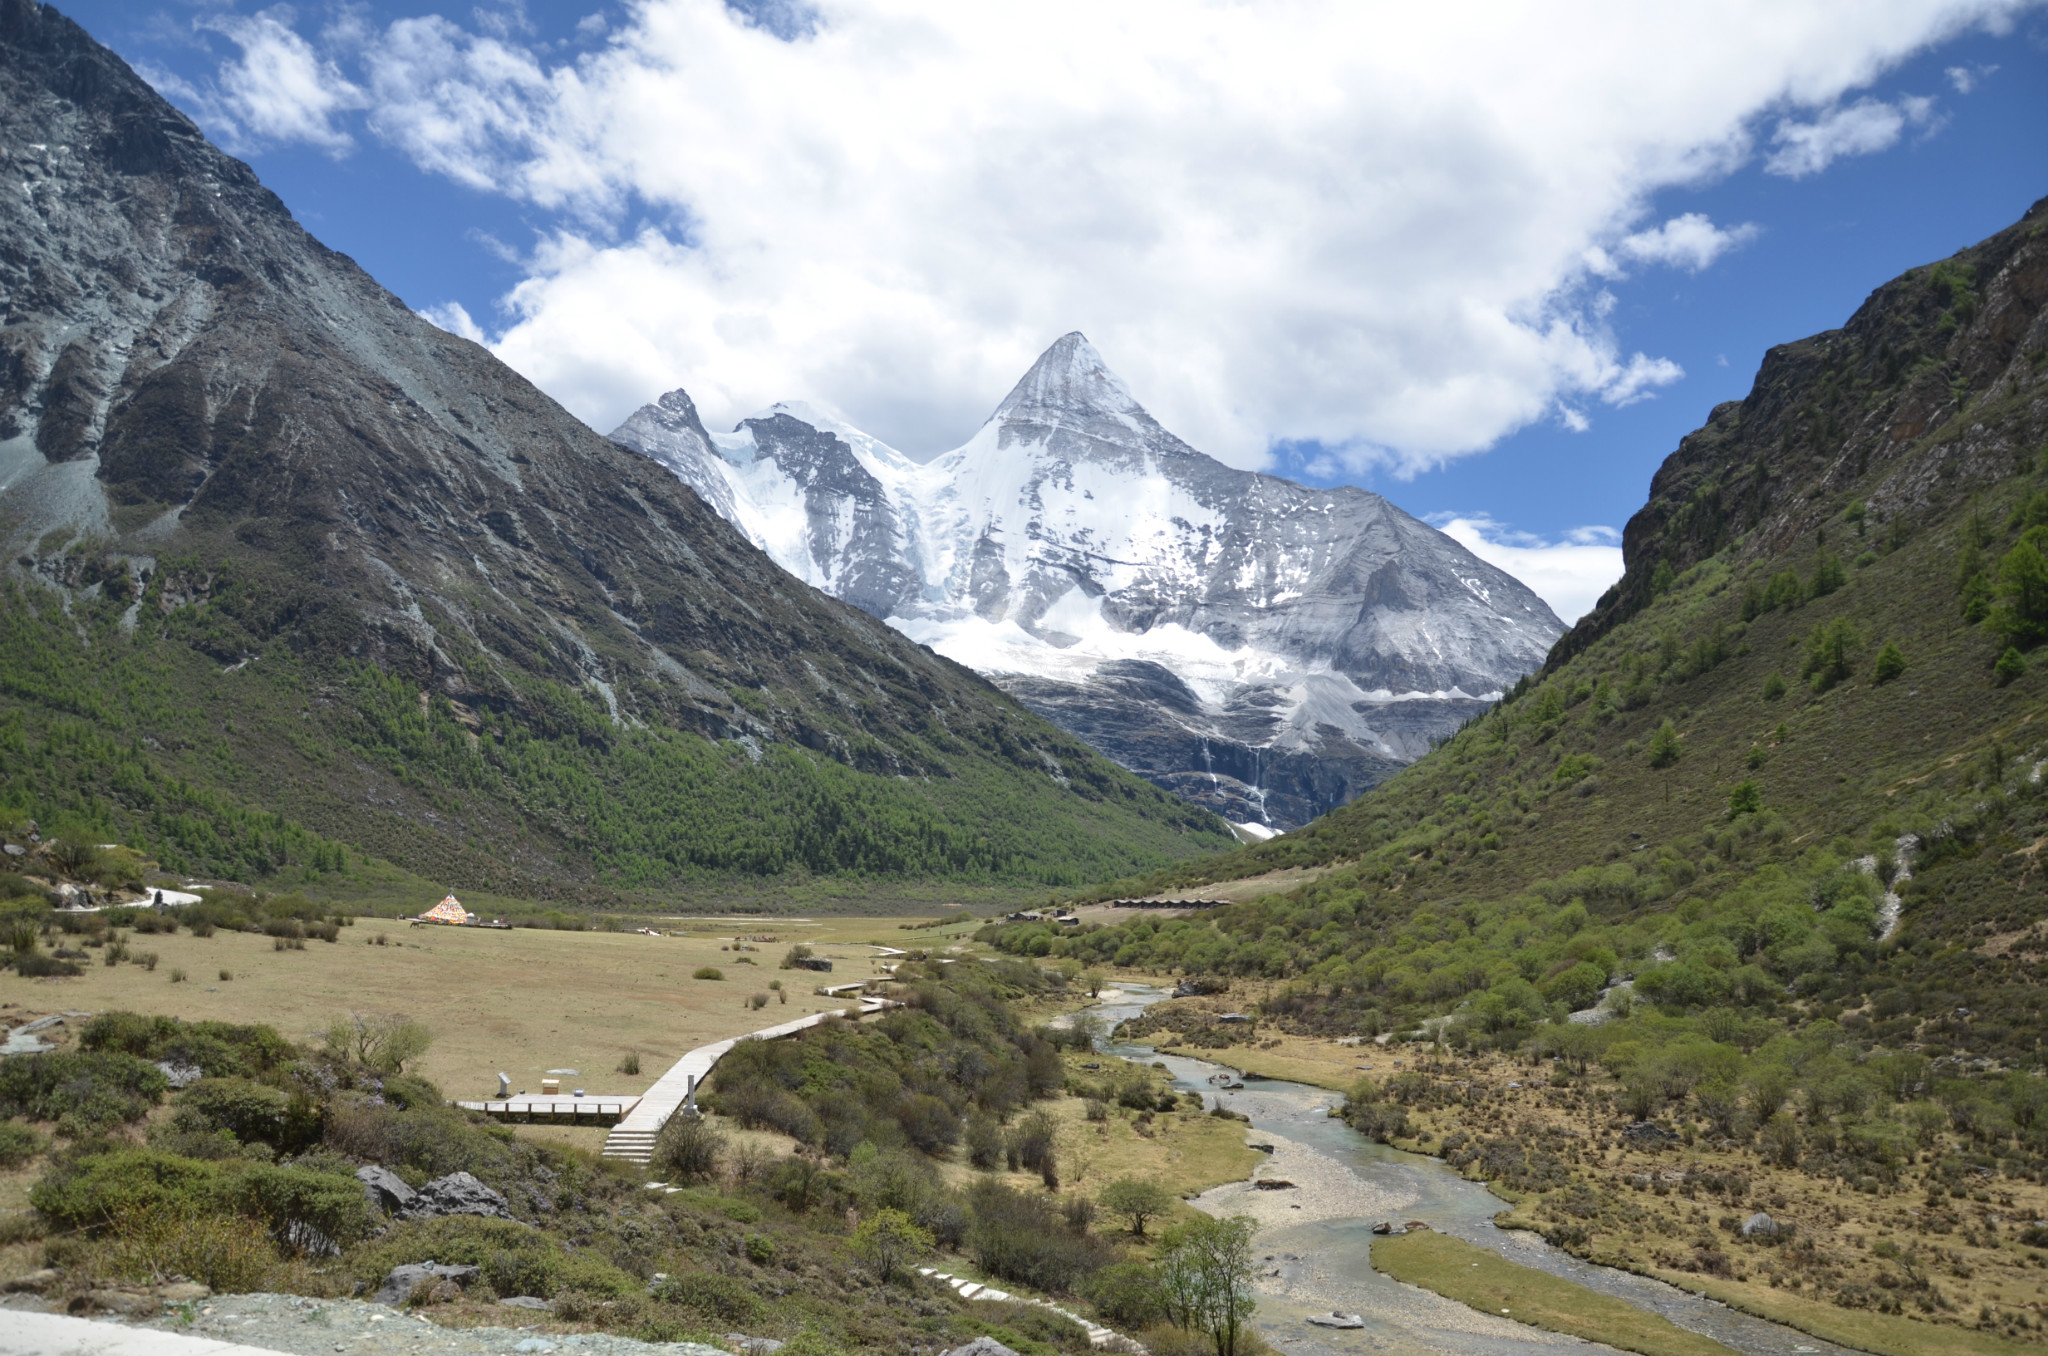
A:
1455,271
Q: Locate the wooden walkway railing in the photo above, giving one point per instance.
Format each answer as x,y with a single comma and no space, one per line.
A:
633,1137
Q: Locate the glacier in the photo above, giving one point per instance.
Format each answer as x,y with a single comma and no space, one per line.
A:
1264,648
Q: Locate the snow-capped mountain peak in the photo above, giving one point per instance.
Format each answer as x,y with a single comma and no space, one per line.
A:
1069,380
1262,647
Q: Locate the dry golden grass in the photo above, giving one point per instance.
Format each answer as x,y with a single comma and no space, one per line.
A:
1847,1237
522,1001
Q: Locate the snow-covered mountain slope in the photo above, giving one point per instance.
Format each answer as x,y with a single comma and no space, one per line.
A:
1261,647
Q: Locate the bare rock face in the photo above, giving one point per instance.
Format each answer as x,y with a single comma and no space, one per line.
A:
1259,647
456,1194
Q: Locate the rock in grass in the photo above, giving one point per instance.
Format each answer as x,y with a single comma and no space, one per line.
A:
403,1280
526,1302
1763,1228
456,1194
982,1346
386,1190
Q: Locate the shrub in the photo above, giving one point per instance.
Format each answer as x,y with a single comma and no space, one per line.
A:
1021,1238
707,972
688,1148
1746,799
629,1063
2010,665
985,1141
92,1089
757,1001
1126,1294
889,1240
252,1112
219,1049
177,976
1891,662
928,1123
18,1144
723,1298
799,952
151,1244
514,1258
98,1191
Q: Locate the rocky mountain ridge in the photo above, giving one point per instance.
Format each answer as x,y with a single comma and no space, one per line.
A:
290,536
1261,647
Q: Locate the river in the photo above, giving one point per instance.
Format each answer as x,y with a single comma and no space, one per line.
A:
1315,1241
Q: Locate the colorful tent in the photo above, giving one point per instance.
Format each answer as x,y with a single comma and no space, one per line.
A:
449,910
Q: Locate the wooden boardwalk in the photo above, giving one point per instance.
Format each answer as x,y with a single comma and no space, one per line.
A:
556,1109
633,1137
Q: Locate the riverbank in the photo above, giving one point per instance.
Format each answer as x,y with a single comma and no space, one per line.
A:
1927,1252
1489,1283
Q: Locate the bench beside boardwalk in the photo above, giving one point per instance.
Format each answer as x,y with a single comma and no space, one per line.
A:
637,1123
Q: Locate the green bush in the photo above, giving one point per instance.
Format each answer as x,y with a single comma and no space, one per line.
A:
687,1149
219,1049
18,1144
96,1191
1126,1294
722,1298
1891,662
514,1258
1021,1238
2011,665
89,1090
707,972
253,1113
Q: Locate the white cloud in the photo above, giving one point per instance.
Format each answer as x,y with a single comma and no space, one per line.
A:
279,89
1374,227
1858,129
1570,574
1965,79
1639,379
454,317
1690,241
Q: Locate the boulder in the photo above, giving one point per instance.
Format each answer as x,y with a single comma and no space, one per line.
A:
386,1190
526,1302
403,1280
1644,1132
1763,1228
752,1346
456,1194
982,1346
42,1279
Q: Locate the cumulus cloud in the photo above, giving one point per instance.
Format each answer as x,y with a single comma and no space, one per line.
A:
279,88
1570,573
1690,242
1867,125
1369,228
